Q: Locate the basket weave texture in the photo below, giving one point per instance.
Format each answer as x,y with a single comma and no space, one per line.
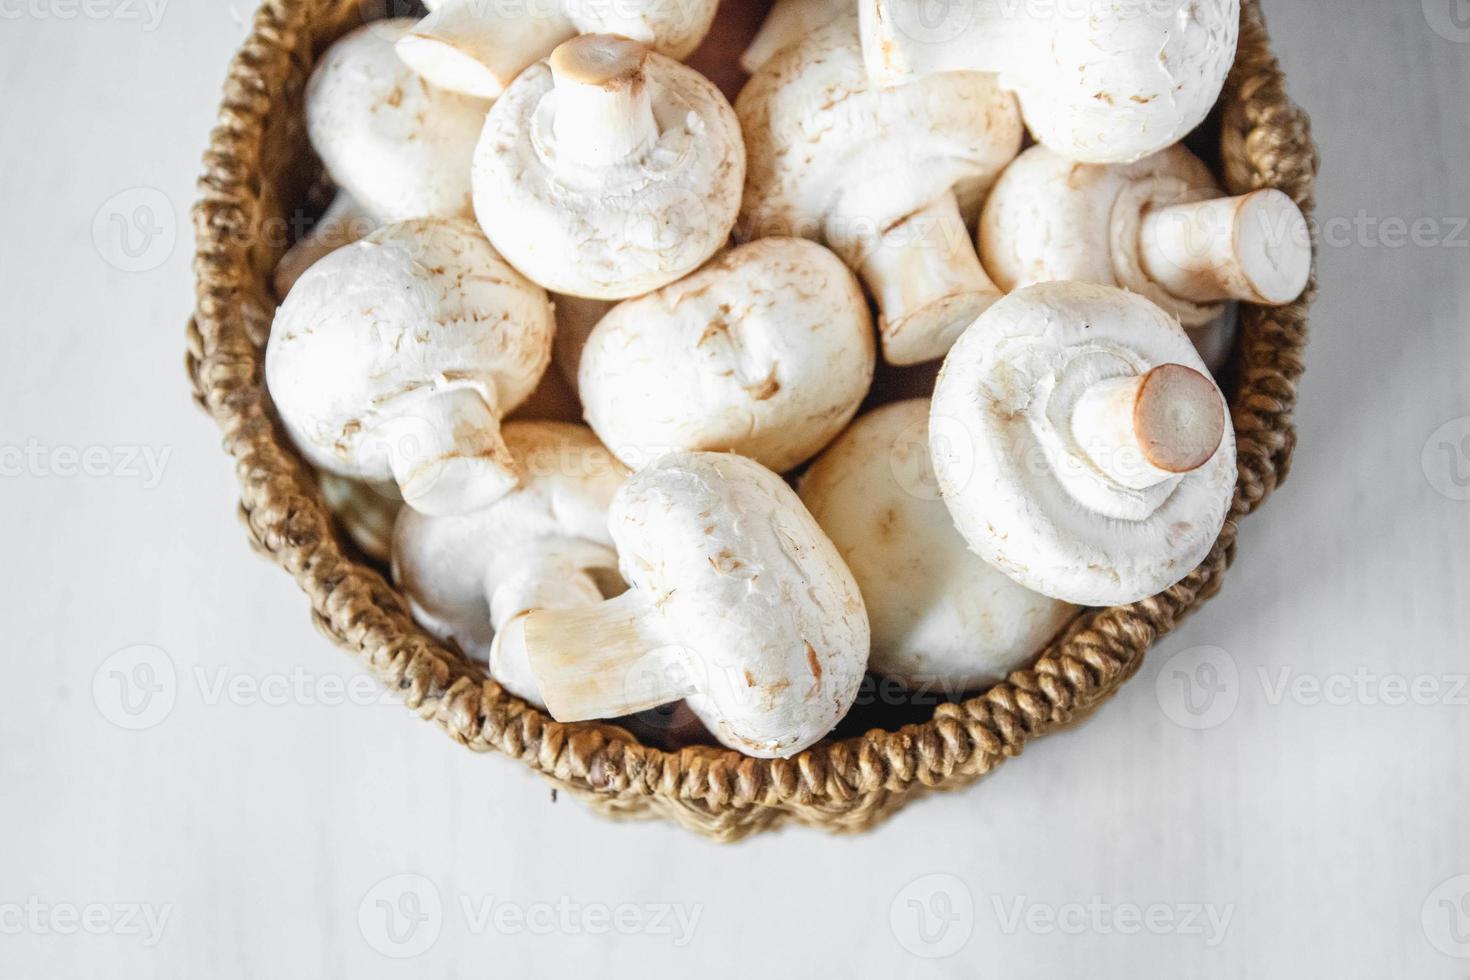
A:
258,169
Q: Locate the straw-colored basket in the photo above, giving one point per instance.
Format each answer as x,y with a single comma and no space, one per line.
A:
258,169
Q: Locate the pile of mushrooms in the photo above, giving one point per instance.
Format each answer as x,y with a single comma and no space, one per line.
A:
708,506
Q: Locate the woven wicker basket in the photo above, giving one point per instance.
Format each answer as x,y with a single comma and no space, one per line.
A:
259,168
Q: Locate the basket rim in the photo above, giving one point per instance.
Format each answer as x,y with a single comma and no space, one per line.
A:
840,784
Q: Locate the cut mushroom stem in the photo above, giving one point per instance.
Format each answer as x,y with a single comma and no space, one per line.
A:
604,112
928,282
477,48
1142,430
605,661
447,454
1255,248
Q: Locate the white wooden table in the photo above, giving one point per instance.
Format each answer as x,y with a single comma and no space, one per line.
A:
1312,822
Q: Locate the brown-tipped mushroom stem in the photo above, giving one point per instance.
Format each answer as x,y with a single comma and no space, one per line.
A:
928,281
447,454
1144,429
1254,248
603,111
604,661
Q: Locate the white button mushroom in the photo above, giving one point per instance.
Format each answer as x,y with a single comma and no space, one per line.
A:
1160,227
877,174
1103,81
1079,445
788,23
342,223
737,601
767,352
401,147
478,46
472,578
396,357
943,620
608,170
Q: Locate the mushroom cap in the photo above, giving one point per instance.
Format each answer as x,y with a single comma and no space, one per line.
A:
449,567
1018,486
342,223
1050,219
731,563
1127,79
767,352
838,159
401,147
634,225
943,620
412,310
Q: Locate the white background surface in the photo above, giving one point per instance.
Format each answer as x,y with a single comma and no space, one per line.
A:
1322,830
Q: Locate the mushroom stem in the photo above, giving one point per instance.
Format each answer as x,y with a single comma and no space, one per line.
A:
447,454
563,576
604,112
902,38
1255,248
606,660
478,48
928,282
1141,430
789,21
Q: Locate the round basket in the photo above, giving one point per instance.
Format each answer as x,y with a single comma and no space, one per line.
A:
259,169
